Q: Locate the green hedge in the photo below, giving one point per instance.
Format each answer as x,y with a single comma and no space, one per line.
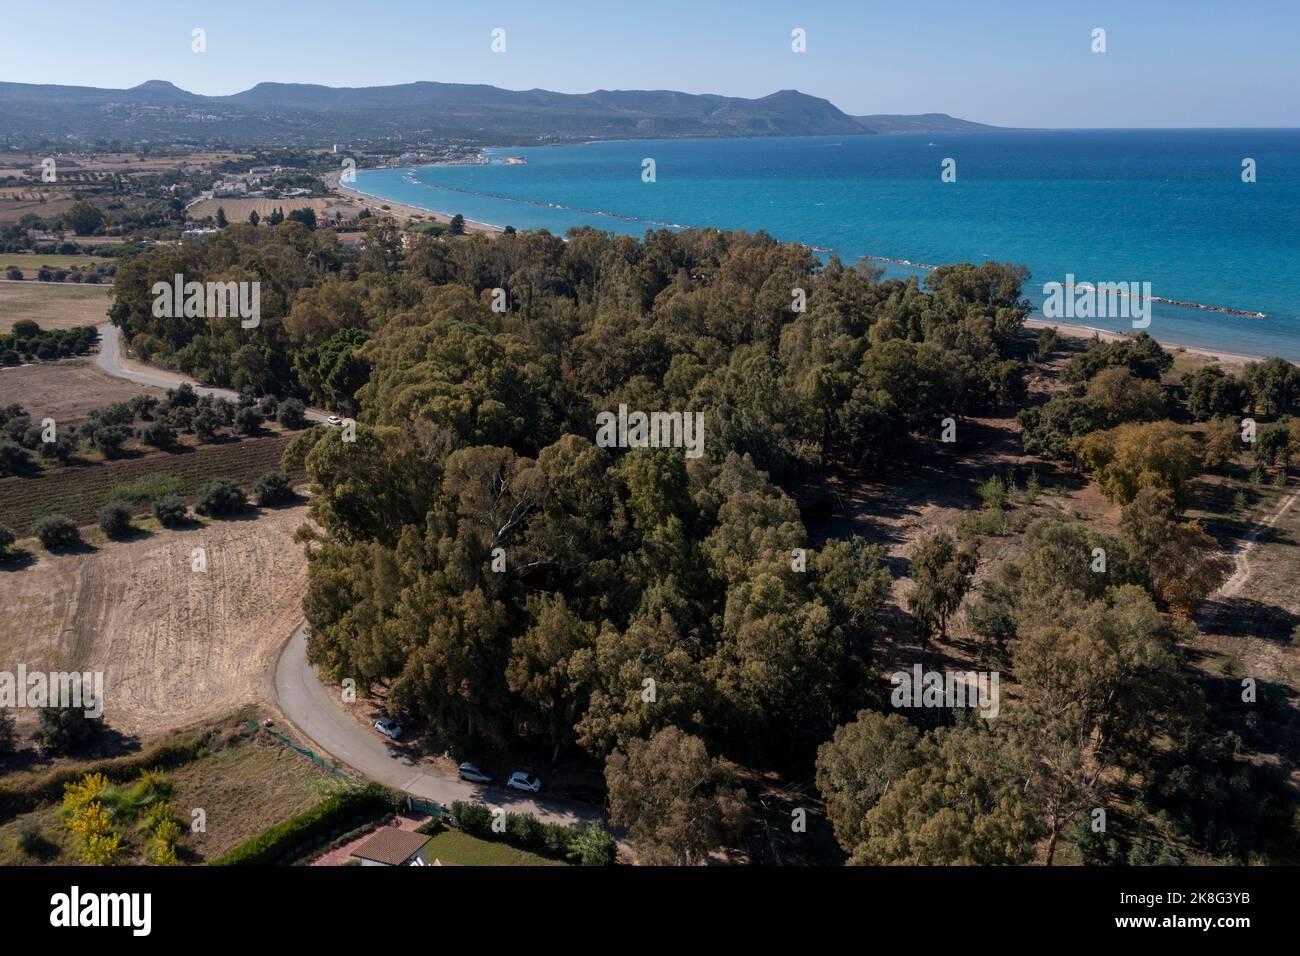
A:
526,832
339,812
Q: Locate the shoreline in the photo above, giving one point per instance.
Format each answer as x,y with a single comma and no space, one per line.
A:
649,223
406,210
654,223
1234,359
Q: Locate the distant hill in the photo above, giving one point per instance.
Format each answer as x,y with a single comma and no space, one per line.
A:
923,123
304,114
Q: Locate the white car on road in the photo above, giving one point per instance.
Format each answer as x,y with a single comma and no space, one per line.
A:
472,773
388,727
333,421
523,781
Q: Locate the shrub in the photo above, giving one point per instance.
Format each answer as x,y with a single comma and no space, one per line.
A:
1273,445
292,413
1126,459
57,531
7,539
474,818
992,524
184,394
220,497
432,826
273,488
115,519
181,419
557,838
30,839
146,488
158,434
14,458
993,492
592,846
1049,340
171,510
205,425
61,449
110,438
525,830
142,406
1032,488
248,421
224,410
66,730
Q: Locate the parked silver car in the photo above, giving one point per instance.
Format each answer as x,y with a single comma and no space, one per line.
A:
472,773
524,781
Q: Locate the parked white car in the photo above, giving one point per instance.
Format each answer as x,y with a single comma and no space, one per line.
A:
333,421
472,773
523,781
388,727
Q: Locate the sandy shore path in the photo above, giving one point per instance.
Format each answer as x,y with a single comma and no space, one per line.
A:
1081,332
402,211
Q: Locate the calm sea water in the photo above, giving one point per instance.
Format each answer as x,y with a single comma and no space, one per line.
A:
1162,206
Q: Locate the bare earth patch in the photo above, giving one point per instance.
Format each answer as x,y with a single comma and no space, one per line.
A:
66,390
175,646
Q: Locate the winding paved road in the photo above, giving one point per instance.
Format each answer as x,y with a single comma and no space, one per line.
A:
110,360
317,713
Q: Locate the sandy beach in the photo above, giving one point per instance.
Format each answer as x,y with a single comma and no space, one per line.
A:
404,212
1080,332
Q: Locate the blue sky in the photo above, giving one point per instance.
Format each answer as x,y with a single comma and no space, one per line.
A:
1008,62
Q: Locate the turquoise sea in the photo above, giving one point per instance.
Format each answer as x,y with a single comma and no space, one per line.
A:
1167,207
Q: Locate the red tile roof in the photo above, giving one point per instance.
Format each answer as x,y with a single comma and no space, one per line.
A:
392,846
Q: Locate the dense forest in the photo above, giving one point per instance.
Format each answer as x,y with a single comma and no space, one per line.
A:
505,580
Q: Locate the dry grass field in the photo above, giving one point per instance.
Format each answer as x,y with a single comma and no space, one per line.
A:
18,164
52,306
31,261
246,788
237,210
175,646
65,390
16,203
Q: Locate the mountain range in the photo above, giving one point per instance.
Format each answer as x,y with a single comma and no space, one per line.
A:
297,114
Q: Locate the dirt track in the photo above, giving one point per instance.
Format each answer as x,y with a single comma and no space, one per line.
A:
175,646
